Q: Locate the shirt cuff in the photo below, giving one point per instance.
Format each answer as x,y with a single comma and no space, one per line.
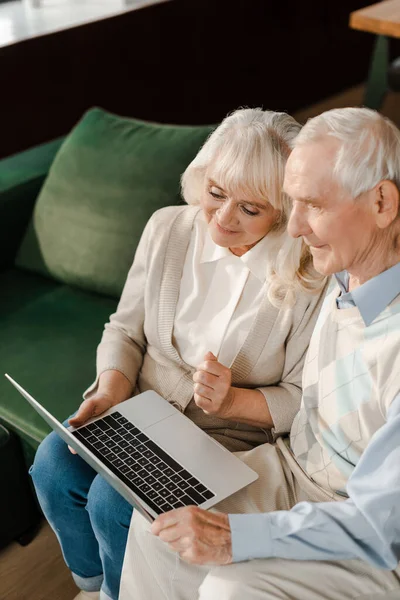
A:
251,536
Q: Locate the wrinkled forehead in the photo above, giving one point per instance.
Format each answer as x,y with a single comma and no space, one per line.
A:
309,170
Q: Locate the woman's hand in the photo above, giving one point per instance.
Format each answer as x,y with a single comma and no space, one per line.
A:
213,392
92,407
200,537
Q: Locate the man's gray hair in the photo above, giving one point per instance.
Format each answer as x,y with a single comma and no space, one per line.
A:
369,146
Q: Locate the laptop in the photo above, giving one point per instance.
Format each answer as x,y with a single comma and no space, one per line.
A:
153,455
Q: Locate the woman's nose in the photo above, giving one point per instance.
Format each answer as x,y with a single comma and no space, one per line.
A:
226,213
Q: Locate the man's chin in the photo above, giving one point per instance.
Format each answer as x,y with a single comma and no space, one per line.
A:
323,267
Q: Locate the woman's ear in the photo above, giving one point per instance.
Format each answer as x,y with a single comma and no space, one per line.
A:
387,203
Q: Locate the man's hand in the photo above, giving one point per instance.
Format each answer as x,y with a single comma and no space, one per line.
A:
212,391
92,407
200,537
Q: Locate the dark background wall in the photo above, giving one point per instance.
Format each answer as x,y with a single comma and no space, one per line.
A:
185,61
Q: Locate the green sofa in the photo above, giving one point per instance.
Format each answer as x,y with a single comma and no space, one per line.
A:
71,214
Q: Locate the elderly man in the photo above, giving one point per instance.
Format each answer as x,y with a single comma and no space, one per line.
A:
323,520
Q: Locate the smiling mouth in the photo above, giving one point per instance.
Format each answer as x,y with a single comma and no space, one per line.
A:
223,230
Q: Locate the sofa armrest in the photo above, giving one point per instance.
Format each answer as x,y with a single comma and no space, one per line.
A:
21,177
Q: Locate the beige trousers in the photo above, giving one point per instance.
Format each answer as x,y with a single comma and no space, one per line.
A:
152,572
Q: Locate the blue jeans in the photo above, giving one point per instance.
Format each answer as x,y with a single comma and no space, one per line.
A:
90,519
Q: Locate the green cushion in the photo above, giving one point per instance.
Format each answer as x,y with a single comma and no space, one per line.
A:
49,334
109,176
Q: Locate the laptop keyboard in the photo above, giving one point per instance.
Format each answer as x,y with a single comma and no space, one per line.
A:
142,465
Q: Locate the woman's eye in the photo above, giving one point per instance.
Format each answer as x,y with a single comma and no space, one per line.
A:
215,195
249,212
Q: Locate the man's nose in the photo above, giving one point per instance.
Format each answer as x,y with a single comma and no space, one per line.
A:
298,224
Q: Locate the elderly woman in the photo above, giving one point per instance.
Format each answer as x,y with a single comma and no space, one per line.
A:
216,316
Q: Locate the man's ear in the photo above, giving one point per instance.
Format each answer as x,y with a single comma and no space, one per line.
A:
387,203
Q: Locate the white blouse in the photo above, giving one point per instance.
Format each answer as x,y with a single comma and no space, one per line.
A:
219,297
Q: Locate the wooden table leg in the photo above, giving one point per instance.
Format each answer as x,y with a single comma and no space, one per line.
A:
377,84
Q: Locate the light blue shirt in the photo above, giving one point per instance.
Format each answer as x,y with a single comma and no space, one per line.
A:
367,524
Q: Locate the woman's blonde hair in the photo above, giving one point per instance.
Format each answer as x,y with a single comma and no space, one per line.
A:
247,154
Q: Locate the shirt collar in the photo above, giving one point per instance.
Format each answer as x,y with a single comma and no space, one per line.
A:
256,259
373,296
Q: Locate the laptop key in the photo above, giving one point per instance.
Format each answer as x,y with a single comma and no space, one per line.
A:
106,452
163,480
120,418
164,492
98,445
117,439
201,488
129,461
125,469
124,444
208,494
142,437
193,481
164,456
171,486
179,493
111,422
157,486
84,431
175,478
102,425
141,448
171,499
177,504
118,450
142,473
169,472
152,494
156,472
131,427
162,466
148,454
110,444
129,437
187,501
166,507
91,439
143,461
123,455
183,485
113,433
185,474
144,487
159,501
91,426
155,460
117,463
150,480
151,468
130,449
198,498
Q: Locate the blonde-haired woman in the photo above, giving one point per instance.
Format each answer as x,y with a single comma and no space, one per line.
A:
216,316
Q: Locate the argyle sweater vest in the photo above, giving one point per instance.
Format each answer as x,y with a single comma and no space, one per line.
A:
351,375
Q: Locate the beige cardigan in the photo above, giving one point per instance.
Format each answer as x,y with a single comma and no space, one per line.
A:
138,339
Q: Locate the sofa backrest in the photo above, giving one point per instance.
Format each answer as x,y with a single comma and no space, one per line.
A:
109,176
